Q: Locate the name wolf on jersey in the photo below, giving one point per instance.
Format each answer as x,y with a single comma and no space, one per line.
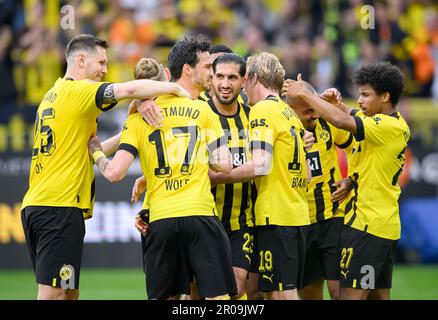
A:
176,184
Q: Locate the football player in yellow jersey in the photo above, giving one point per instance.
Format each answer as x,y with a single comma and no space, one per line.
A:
61,182
326,216
185,236
233,201
279,165
215,52
372,222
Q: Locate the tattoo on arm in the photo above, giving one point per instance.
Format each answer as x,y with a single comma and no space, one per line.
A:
108,95
102,164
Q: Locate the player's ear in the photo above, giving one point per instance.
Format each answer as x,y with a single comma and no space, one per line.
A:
187,70
243,81
385,97
167,73
80,60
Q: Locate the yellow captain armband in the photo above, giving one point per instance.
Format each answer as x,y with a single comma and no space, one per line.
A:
97,155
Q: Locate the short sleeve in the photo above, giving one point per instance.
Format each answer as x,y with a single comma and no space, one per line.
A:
129,140
376,129
261,128
342,138
92,94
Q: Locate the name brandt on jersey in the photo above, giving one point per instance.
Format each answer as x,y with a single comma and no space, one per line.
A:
299,182
175,184
181,112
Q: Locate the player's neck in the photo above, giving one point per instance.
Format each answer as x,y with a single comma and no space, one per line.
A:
71,73
265,92
225,109
187,84
388,109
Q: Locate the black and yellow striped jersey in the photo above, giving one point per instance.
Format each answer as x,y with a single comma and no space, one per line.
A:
375,162
233,201
174,158
323,162
281,194
61,171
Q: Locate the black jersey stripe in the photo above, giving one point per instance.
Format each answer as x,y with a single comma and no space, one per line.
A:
240,127
244,205
213,192
326,127
360,130
333,189
228,206
246,109
346,143
319,201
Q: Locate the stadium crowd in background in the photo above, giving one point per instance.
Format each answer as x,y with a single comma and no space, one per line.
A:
322,40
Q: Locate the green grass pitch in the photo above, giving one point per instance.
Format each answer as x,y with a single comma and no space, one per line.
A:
409,282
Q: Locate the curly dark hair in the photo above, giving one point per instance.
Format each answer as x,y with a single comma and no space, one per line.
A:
382,77
186,52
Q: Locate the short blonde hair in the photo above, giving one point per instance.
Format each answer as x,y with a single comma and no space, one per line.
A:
270,73
148,68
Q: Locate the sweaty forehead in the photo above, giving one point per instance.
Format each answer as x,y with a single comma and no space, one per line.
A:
228,68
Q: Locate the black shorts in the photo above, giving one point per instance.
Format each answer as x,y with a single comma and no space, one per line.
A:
178,248
254,267
366,260
55,238
242,247
281,257
143,243
322,251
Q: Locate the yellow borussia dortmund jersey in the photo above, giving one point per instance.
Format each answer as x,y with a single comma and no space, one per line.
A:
281,198
375,162
174,158
233,201
61,171
323,162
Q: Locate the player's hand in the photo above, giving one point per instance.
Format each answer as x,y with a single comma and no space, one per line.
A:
344,187
212,176
332,96
150,112
140,225
293,88
133,107
309,139
138,188
216,178
94,145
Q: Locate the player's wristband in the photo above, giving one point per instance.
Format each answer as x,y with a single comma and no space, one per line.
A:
97,155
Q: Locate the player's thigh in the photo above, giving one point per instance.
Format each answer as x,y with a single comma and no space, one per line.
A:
57,234
313,271
209,254
281,256
364,260
166,269
329,247
242,244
